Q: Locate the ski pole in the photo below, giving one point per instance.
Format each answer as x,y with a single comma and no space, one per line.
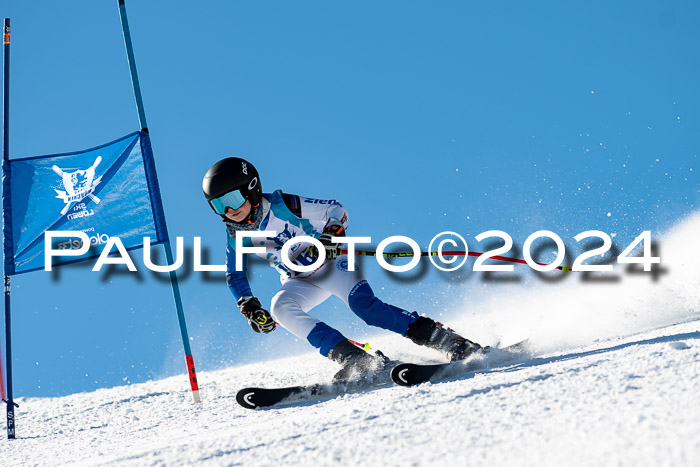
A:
449,253
364,346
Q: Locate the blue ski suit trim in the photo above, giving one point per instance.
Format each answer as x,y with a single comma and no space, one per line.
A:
324,338
236,280
375,312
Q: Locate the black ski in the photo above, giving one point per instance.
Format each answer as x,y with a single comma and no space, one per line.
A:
410,374
252,398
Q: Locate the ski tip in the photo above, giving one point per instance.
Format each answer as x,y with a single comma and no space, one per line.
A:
245,398
398,374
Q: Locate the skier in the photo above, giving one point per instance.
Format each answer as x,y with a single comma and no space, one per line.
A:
233,189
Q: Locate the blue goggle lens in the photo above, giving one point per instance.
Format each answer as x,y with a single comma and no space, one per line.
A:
232,199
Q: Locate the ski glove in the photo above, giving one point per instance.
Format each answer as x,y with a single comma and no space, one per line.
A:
332,229
259,319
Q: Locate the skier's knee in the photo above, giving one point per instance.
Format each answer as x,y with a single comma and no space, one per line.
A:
280,305
375,312
365,304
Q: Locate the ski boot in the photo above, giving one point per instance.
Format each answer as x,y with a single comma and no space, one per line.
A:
425,331
355,361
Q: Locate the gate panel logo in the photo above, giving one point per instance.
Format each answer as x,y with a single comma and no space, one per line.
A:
78,185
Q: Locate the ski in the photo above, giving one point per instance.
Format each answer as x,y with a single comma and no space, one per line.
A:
252,398
410,374
404,374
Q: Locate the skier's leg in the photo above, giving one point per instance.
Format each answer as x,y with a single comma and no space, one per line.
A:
290,306
373,311
353,289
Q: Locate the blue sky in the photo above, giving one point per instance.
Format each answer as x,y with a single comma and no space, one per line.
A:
419,117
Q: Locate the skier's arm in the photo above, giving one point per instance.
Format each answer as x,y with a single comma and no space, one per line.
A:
236,280
330,211
258,318
317,209
333,228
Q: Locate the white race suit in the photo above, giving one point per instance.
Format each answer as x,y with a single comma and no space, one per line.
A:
290,216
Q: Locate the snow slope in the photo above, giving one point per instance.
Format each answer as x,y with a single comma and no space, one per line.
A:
631,401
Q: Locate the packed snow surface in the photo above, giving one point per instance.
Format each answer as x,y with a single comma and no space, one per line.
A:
630,401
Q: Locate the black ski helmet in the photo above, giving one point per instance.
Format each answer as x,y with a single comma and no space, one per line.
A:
232,173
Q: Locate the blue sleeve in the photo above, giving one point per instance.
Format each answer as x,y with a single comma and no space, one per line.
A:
236,280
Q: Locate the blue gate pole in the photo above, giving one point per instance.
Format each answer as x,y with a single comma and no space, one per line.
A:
168,250
6,164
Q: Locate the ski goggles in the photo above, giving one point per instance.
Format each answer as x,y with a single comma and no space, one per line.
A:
233,199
